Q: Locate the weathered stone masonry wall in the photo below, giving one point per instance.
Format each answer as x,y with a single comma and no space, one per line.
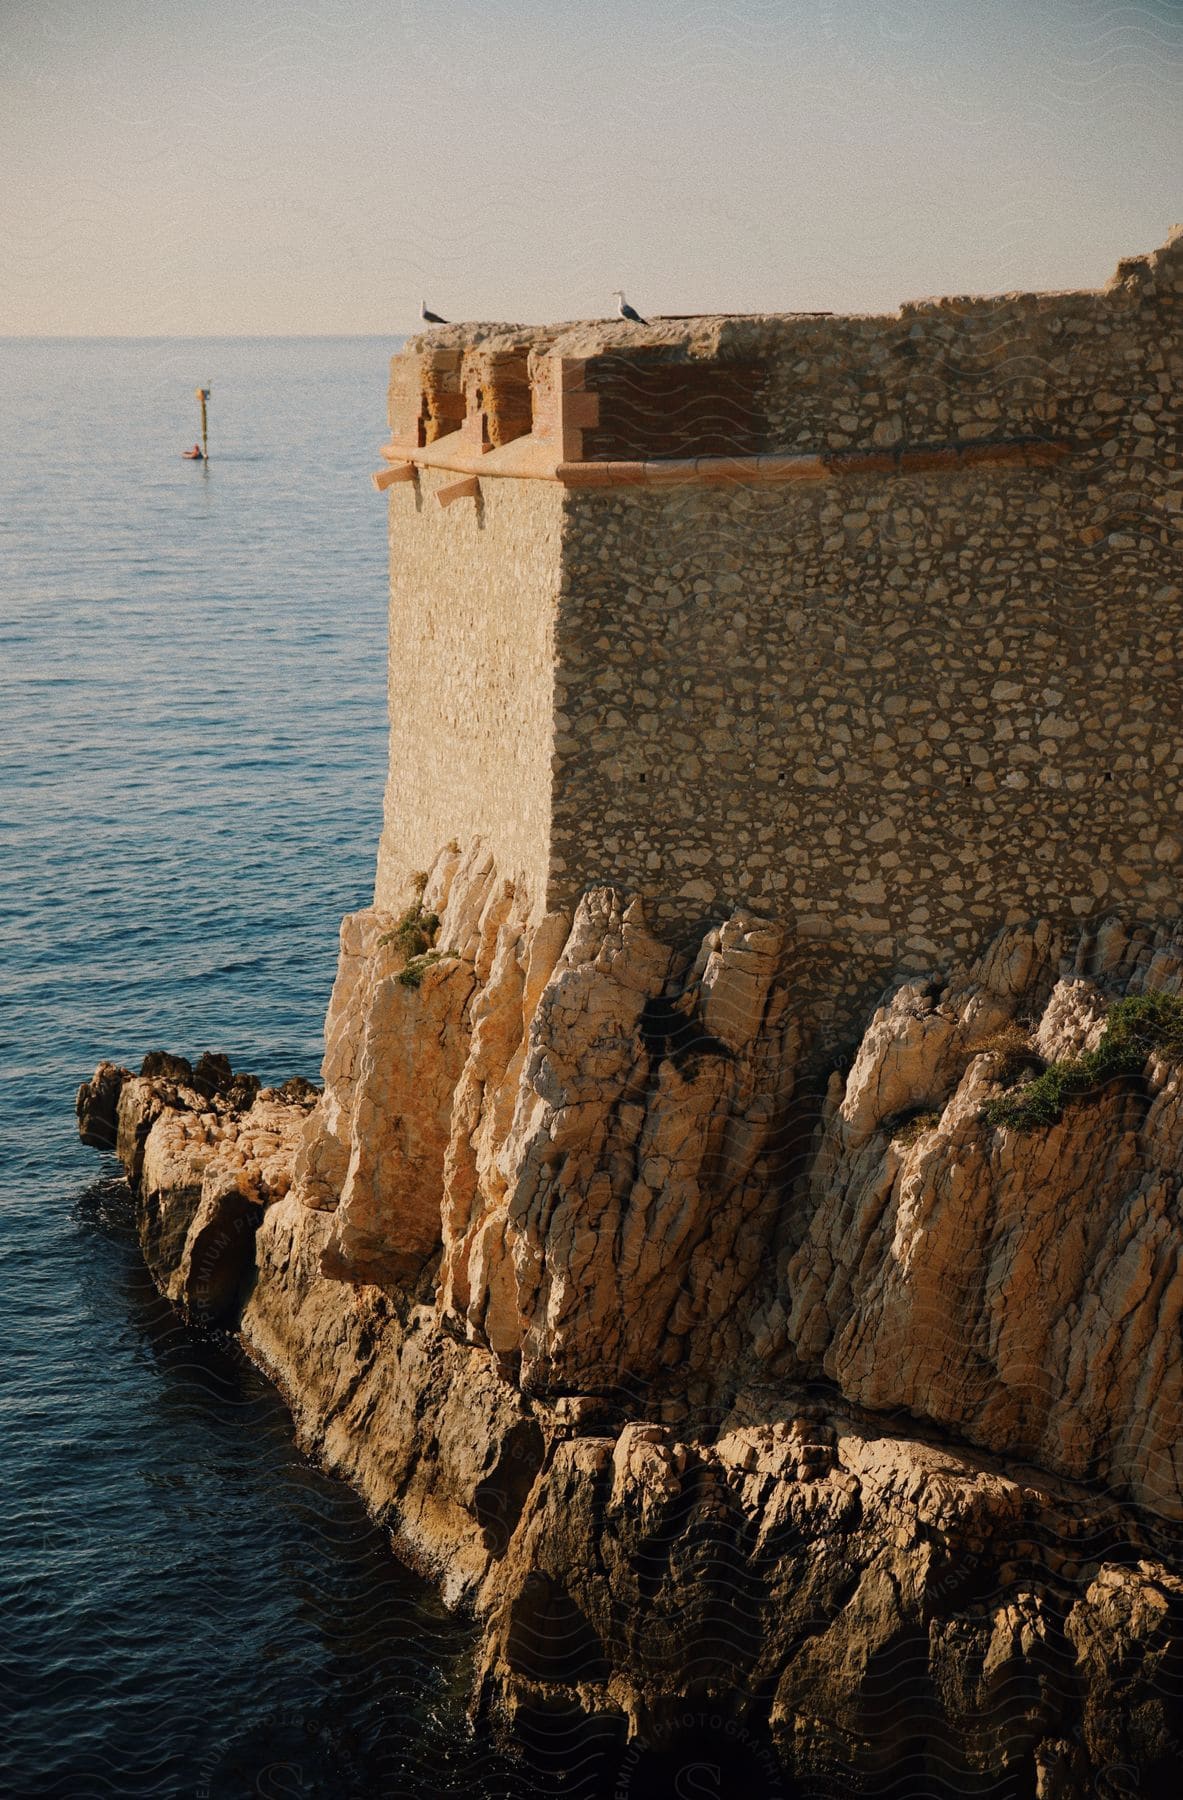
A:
823,703
902,709
471,667
897,708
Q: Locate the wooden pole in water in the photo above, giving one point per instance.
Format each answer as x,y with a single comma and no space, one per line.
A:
203,396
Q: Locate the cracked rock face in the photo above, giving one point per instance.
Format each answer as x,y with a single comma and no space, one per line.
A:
873,1440
586,1133
1024,1288
207,1151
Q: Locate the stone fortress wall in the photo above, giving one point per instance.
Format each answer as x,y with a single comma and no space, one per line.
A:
471,682
869,622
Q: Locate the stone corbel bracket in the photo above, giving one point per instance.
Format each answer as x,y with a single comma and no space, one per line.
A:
468,489
386,478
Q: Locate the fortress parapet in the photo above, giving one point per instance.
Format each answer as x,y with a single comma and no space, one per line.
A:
869,622
652,416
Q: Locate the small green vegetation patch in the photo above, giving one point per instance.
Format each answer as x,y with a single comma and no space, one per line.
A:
418,966
414,939
1139,1026
911,1126
415,932
1014,1054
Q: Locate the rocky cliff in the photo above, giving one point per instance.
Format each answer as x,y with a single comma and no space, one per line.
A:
841,1406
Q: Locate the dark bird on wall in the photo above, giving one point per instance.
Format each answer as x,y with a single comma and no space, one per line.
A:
626,311
429,318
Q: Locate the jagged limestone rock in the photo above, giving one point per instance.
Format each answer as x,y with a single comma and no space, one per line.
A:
546,1275
1023,1288
603,1193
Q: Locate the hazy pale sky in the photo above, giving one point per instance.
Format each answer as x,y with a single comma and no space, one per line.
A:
245,166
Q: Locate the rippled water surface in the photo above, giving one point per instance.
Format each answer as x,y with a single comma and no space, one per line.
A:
192,675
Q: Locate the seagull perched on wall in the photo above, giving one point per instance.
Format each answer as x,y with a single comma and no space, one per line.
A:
626,311
429,318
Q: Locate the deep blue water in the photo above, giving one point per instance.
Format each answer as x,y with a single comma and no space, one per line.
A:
192,749
192,756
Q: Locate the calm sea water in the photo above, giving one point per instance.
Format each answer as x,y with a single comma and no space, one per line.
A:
192,754
192,708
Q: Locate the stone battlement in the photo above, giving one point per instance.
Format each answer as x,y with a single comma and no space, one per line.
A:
868,622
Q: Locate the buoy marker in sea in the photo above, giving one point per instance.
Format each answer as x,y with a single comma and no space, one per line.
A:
200,454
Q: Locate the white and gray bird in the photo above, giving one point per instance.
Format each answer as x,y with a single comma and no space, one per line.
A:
626,311
429,318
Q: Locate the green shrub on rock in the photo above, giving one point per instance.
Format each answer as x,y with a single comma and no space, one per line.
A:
1137,1027
414,933
412,975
